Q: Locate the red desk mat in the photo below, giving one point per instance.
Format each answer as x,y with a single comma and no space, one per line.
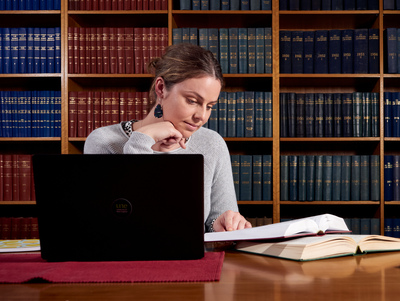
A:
23,268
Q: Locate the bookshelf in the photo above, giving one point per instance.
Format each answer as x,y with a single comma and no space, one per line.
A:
276,82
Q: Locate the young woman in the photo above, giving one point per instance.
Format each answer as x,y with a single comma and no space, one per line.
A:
187,83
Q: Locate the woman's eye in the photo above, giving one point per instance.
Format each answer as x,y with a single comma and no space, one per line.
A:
191,101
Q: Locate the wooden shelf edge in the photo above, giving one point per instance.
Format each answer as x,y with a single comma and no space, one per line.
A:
335,139
329,12
117,12
30,12
221,12
328,75
110,76
30,139
252,139
255,202
329,202
17,203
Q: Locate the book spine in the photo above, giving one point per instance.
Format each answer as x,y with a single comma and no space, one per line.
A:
365,178
268,114
345,178
388,177
246,177
357,114
347,51
388,113
336,177
267,177
396,178
283,100
335,45
310,177
373,50
302,178
318,182
285,51
291,114
293,178
233,50
260,50
240,114
259,114
284,172
231,115
300,115
251,50
224,49
308,48
367,114
355,177
243,53
327,175
297,52
319,114
268,50
361,50
395,115
375,177
222,114
328,115
249,113
391,50
337,115
257,178
235,159
375,114
309,113
321,51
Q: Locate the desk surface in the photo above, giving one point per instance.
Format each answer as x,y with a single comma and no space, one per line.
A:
247,277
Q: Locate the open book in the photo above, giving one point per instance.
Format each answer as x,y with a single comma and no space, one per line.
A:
19,245
314,225
320,247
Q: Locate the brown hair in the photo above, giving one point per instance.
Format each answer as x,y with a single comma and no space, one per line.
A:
181,62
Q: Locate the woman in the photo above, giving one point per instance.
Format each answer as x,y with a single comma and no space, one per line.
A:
187,83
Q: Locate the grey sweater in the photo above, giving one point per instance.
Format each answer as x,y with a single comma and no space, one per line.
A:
219,192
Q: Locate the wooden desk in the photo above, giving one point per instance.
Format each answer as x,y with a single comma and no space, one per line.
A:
247,277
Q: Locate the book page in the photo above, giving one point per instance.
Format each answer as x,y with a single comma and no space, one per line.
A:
22,245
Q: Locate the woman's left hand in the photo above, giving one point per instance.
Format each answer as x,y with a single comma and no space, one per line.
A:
230,221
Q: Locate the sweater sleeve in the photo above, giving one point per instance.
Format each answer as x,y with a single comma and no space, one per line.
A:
139,143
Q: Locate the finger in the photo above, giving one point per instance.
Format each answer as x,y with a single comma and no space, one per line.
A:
182,143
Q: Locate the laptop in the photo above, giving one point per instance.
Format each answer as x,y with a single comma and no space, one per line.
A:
120,207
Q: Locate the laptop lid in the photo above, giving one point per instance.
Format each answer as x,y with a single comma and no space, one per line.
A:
120,207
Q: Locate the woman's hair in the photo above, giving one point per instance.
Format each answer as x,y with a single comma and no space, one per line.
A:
183,61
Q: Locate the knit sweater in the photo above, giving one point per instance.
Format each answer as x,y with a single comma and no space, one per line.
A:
219,192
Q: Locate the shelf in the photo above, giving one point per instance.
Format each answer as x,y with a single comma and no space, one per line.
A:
248,139
30,12
221,12
17,203
329,202
255,202
117,12
334,139
329,12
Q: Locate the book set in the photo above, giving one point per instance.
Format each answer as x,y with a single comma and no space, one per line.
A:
30,5
393,50
117,5
30,50
225,5
112,50
12,228
392,114
30,113
391,4
239,50
329,4
392,177
329,114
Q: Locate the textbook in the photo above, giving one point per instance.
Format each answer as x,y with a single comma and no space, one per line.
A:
321,247
19,245
309,226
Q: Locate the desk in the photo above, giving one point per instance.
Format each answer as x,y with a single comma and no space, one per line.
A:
247,277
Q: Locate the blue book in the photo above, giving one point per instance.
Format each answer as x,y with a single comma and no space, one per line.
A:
257,178
14,116
36,50
224,50
398,49
266,5
388,114
366,114
255,5
388,225
349,4
185,4
186,35
319,114
46,113
328,115
222,113
337,4
249,114
52,114
283,105
345,192
336,177
57,53
375,114
302,178
283,4
57,4
43,50
327,175
43,4
213,120
291,114
213,41
284,174
8,5
193,36
243,54
14,49
22,5
310,177
293,178
389,4
195,4
305,5
357,114
321,51
267,177
240,113
1,54
251,50
203,38
361,50
260,50
318,181
396,178
35,4
235,160
326,5
215,5
395,116
225,4
2,7
347,114
391,50
388,177
233,4
177,36
309,109
268,114
231,115
365,226
259,114
365,178
335,48
50,5
355,177
50,50
233,50
373,50
316,5
246,173
57,113
300,115
297,51
268,49
205,4
347,51
22,50
337,115
29,50
14,4
308,48
361,4
285,51
245,4
294,4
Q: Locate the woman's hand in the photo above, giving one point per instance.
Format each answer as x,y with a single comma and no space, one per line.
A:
229,221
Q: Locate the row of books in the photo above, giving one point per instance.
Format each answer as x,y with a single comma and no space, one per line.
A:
89,110
225,5
363,226
16,177
393,50
329,4
117,5
238,50
392,227
330,178
392,177
114,50
252,177
19,228
329,114
30,5
392,114
329,51
391,4
242,114
30,50
30,114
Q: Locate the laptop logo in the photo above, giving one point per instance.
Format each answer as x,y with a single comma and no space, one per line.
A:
121,208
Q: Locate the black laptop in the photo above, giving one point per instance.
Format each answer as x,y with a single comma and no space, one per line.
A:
120,207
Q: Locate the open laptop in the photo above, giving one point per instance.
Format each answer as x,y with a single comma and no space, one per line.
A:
120,207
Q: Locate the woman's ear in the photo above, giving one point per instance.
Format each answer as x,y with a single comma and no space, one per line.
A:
159,87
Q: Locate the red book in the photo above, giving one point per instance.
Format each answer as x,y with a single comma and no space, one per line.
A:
89,5
164,4
81,114
107,4
127,4
34,228
145,104
139,4
15,227
145,4
146,48
82,4
120,4
6,228
87,50
151,4
138,49
153,43
113,50
93,50
102,5
72,112
129,59
15,178
95,4
33,192
1,177
133,4
76,50
82,50
24,232
163,41
114,4
107,107
138,106
70,50
96,110
106,50
99,50
123,106
25,177
131,106
121,50
114,107
89,111
157,4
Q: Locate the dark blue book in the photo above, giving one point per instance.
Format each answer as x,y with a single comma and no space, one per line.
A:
375,226
308,49
266,5
327,178
345,178
29,51
309,113
43,50
249,113
357,114
14,4
50,50
365,178
240,103
245,5
35,5
203,37
336,177
355,177
349,4
267,177
326,5
224,49
373,50
388,225
2,7
310,177
316,5
361,50
57,4
222,113
285,51
293,178
177,36
231,4
14,49
395,114
302,178
319,114
388,113
337,4
259,114
297,52
366,114
246,173
335,48
268,49
243,54
257,178
255,5
391,50
375,178
235,161
321,51
57,50
318,181
196,5
347,51
205,5
213,120
396,178
396,227
328,115
260,50
1,52
50,5
283,102
291,114
389,4
57,113
43,4
251,50
365,226
300,115
388,177
225,4
284,174
294,4
231,121
361,4
215,5
8,5
22,50
375,114
213,39
337,115
305,5
373,4
347,114
268,114
283,4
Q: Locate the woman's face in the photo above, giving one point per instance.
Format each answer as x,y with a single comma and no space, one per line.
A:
188,104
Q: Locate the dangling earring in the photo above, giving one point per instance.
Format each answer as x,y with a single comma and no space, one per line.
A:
158,111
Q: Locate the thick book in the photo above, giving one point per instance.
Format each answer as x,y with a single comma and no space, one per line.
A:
308,226
321,51
321,247
361,50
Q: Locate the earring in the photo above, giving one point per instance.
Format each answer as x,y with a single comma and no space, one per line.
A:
158,111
